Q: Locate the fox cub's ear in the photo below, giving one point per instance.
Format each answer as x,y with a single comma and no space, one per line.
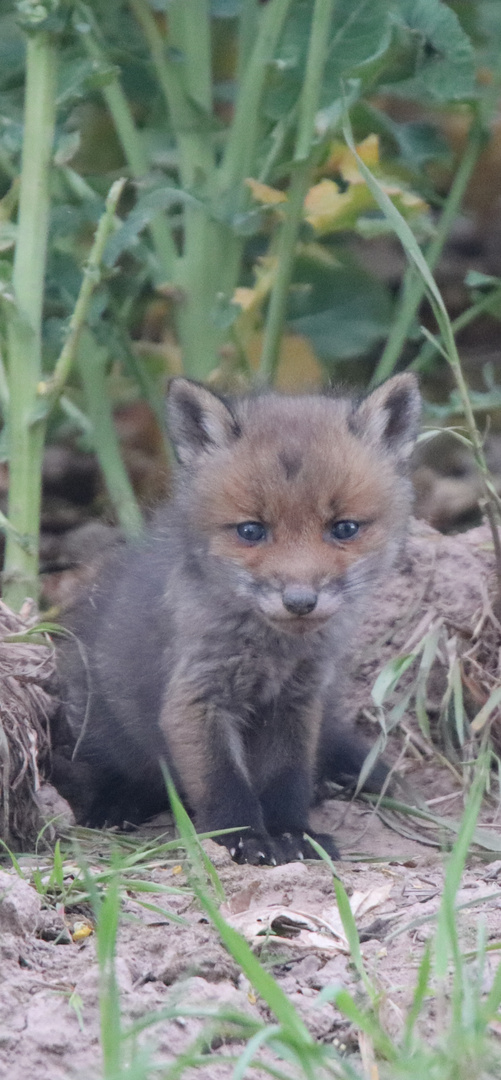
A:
198,420
390,415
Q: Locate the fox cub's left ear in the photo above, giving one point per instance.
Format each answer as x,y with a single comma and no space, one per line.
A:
198,420
390,415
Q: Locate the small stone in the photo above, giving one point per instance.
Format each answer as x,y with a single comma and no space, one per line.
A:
19,905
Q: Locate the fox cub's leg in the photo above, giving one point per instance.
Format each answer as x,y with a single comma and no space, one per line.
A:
206,748
342,753
287,796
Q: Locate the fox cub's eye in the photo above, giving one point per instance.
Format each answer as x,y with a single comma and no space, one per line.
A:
251,531
344,530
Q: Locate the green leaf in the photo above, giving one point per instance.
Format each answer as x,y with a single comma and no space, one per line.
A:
474,279
77,77
341,309
12,50
390,676
415,142
360,30
146,208
446,69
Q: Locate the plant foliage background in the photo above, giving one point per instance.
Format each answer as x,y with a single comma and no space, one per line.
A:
239,210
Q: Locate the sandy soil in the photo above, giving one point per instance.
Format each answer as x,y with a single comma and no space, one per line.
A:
394,881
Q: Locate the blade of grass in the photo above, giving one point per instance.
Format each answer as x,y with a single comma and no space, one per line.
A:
420,991
446,937
260,979
348,921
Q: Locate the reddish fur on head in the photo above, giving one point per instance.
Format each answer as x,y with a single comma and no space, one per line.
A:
297,465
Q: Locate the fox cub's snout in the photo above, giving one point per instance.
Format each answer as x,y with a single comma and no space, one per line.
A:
220,643
301,498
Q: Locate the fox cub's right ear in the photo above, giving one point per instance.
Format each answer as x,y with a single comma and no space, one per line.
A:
198,421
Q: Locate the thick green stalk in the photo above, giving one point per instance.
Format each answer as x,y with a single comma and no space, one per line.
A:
196,157
413,289
207,243
304,160
26,431
239,156
190,32
137,160
207,273
92,366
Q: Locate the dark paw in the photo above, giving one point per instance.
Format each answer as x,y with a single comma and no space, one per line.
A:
294,847
260,849
256,848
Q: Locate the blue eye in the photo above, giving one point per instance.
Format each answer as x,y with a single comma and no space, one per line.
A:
251,531
344,530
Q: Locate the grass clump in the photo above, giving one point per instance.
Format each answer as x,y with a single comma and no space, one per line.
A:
447,1032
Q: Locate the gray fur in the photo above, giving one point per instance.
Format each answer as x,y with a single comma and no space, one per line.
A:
191,657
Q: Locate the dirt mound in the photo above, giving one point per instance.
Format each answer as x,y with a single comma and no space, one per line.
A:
49,978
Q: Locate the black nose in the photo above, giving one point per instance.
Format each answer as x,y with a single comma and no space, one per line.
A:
299,599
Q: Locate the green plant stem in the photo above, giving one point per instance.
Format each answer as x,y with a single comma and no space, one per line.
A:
207,242
190,31
24,335
248,29
413,289
275,319
196,158
136,158
91,277
309,100
301,176
243,136
92,366
4,387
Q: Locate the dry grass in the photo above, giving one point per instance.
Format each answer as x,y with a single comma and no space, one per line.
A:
27,675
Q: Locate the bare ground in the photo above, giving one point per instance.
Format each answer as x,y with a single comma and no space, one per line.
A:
49,1020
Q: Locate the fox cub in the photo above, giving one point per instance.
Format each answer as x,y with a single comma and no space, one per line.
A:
219,643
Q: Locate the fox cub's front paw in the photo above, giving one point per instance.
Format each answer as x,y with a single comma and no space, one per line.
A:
251,846
261,849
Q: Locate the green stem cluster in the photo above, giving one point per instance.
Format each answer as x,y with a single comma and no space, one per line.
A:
210,239
30,397
24,336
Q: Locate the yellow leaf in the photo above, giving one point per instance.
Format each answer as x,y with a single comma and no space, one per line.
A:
342,161
244,297
329,210
265,194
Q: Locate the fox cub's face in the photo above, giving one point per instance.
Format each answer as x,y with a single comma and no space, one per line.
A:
304,498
